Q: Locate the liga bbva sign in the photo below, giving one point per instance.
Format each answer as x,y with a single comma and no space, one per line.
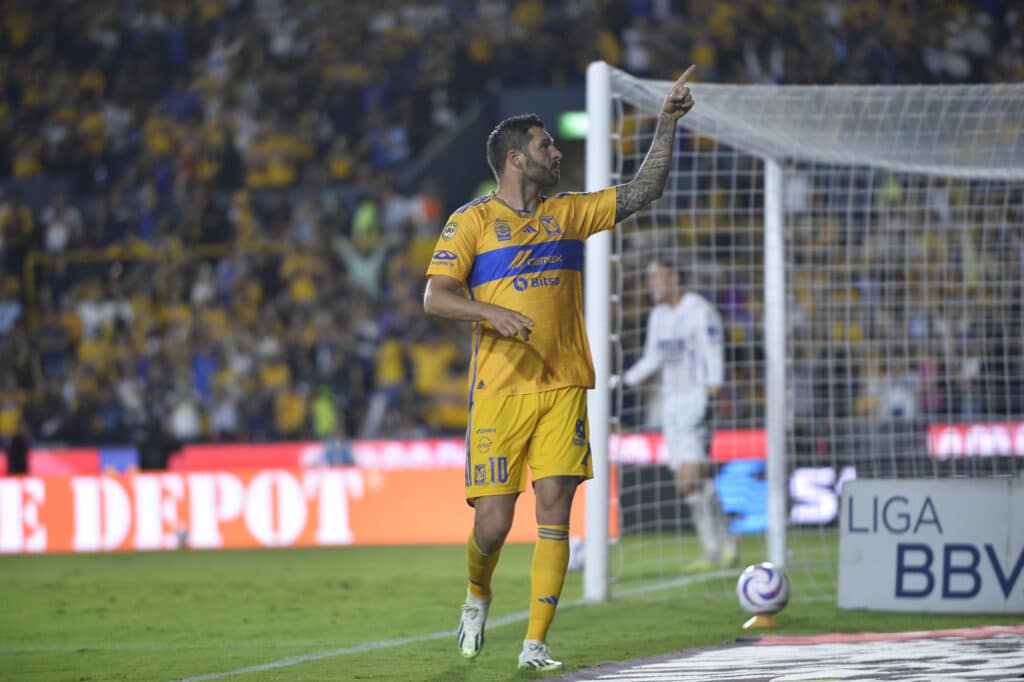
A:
938,545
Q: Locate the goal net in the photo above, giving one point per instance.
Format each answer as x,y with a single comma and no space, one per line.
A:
864,247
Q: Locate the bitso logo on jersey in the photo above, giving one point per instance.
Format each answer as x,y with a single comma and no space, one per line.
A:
524,283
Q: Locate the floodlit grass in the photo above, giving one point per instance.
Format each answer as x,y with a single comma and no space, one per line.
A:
167,616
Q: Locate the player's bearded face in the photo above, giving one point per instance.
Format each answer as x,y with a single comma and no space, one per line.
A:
540,174
542,165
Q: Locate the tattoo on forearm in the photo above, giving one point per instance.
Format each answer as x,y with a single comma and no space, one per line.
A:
649,182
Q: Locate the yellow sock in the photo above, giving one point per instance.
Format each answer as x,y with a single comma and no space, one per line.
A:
550,559
481,568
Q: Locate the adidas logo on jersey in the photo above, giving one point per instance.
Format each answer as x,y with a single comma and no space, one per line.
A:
529,229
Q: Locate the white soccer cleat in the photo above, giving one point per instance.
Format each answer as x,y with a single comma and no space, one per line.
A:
471,626
535,656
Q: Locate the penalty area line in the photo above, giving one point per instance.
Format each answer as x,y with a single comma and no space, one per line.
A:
508,619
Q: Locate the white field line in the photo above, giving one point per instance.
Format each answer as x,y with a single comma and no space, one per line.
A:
509,619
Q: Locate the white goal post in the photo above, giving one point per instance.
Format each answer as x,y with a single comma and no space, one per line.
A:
815,163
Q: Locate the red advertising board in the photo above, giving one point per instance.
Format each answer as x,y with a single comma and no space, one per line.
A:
43,462
245,508
983,439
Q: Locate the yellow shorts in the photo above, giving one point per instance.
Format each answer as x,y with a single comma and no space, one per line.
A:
548,431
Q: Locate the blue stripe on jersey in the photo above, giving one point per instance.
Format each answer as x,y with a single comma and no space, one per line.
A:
564,254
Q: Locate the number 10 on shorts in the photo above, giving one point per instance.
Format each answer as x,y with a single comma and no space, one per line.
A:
498,471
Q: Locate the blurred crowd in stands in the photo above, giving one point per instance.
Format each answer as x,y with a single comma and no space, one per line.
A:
203,236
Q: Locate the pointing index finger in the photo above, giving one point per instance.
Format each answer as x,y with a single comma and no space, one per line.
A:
686,74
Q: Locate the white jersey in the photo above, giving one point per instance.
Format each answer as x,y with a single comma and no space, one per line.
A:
684,341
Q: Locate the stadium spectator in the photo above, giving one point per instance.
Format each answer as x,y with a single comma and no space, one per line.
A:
17,229
338,447
11,308
62,225
18,450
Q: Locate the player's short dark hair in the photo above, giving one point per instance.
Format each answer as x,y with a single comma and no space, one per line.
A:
512,133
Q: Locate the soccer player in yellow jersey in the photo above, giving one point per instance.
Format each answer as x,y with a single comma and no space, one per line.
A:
518,256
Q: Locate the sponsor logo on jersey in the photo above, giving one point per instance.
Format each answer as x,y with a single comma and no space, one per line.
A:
486,430
502,230
529,229
581,433
449,231
442,254
546,260
483,445
672,346
521,259
550,225
480,474
524,283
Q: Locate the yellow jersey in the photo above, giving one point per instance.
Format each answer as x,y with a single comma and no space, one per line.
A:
531,263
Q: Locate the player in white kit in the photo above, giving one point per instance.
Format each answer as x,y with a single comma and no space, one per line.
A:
685,341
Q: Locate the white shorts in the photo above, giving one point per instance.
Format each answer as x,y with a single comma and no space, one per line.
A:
687,433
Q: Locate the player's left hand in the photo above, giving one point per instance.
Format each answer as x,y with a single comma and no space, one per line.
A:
679,101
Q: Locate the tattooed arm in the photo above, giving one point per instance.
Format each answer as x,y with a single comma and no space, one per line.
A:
649,181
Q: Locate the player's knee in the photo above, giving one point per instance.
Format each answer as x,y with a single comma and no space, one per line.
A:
554,499
491,533
557,515
492,523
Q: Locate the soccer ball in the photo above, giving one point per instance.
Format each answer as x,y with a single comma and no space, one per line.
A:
763,588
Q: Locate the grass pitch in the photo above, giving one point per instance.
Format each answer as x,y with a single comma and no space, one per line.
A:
358,613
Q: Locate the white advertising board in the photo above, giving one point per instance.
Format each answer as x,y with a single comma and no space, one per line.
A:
950,545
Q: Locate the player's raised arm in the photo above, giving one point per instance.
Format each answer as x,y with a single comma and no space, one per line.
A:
649,182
